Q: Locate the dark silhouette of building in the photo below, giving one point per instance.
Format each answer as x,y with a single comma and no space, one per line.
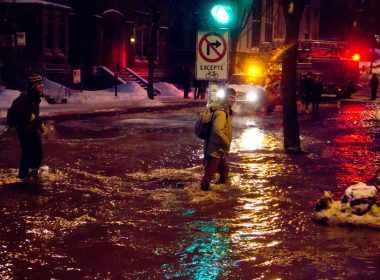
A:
55,37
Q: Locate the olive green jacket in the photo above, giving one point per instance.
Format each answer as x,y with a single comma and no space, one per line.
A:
221,134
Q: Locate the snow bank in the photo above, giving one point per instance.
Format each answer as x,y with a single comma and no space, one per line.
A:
7,96
131,91
168,90
360,191
125,92
357,207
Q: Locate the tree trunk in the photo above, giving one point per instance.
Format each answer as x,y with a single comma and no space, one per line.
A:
293,13
152,52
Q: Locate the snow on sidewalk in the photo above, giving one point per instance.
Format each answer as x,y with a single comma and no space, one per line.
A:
128,95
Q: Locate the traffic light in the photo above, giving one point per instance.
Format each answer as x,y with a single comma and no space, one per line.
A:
222,13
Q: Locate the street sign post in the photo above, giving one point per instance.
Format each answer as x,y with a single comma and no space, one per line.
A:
212,55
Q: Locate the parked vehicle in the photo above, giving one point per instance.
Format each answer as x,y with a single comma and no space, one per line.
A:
336,62
336,74
250,96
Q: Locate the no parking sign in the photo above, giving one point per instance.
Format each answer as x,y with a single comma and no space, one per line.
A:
212,55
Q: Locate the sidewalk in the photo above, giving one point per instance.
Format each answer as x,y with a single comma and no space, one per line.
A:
363,96
75,111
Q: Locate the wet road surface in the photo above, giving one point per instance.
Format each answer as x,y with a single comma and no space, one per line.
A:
122,201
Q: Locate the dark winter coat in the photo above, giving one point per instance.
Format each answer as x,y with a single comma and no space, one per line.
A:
221,134
374,82
24,106
306,88
317,91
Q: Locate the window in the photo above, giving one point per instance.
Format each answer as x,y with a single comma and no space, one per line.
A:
256,23
269,11
61,35
49,34
142,43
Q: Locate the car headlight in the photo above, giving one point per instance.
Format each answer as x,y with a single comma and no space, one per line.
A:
252,96
220,94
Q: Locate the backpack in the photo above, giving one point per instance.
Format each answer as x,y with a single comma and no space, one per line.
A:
203,124
11,117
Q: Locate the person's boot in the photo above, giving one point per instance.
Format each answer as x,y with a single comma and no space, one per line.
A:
33,172
34,175
220,182
204,187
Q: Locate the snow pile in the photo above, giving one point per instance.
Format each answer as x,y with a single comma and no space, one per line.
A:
130,92
357,207
125,92
54,89
7,96
168,90
360,197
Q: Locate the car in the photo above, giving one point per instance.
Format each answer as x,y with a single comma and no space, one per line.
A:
251,96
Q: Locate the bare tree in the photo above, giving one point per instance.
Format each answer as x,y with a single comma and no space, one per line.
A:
293,10
243,11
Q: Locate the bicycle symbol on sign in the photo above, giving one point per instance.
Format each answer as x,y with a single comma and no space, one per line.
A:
211,75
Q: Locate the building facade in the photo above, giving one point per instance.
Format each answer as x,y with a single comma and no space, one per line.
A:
265,30
57,36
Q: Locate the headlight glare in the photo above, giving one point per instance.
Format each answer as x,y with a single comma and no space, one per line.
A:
252,96
220,94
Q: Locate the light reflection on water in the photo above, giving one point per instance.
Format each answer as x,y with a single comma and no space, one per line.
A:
133,218
207,256
354,149
252,139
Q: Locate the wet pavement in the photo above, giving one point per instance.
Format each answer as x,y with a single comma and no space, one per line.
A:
122,200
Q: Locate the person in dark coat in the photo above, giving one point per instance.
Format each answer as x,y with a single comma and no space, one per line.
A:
197,85
306,91
186,82
350,89
200,88
316,95
203,89
29,126
374,84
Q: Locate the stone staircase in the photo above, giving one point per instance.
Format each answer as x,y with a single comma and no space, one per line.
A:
128,75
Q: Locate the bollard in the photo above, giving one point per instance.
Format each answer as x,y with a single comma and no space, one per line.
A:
115,80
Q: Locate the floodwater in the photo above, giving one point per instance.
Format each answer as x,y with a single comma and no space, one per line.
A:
122,201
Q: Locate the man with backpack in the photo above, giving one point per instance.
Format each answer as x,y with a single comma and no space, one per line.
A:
217,145
24,114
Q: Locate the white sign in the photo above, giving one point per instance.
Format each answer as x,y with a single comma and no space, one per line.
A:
212,55
76,76
20,39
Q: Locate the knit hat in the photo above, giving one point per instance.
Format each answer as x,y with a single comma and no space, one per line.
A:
34,79
230,92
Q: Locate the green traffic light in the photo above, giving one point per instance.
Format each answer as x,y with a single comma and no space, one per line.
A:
221,13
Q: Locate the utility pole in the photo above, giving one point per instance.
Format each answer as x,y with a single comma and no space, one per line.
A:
375,40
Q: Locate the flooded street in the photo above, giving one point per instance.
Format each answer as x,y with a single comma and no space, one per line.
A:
122,200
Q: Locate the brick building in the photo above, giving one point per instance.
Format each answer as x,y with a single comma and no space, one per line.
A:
55,37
